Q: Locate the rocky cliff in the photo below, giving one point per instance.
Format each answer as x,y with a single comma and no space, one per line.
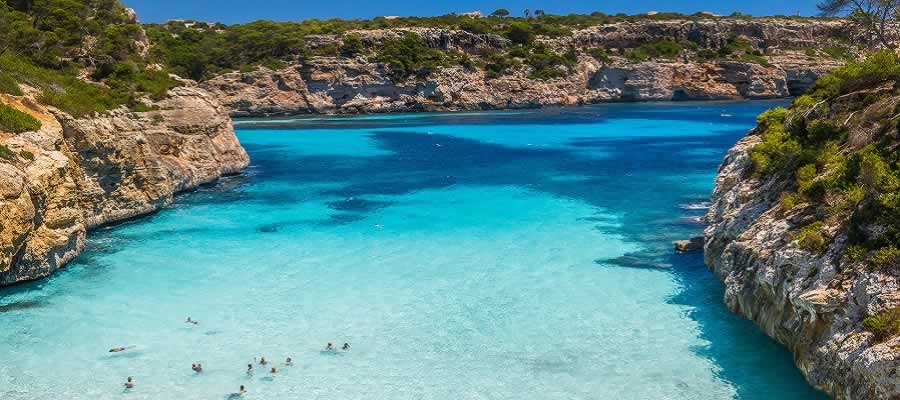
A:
810,288
74,174
334,85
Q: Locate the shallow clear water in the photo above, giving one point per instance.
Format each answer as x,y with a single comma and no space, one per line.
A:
520,255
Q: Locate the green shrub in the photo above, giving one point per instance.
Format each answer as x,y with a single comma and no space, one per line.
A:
407,57
805,177
8,85
637,55
810,237
819,131
15,121
788,201
658,49
550,30
735,45
878,67
883,325
142,107
6,153
707,54
778,151
885,257
599,54
804,102
755,59
62,89
351,45
855,252
841,53
496,64
772,116
547,64
520,33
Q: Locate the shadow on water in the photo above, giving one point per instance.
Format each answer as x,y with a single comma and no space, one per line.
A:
735,343
641,179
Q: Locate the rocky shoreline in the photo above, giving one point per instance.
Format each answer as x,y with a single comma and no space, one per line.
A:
74,174
354,85
813,304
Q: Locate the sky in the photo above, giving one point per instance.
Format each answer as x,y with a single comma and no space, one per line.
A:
237,11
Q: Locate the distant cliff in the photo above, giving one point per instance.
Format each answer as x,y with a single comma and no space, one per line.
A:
626,61
74,174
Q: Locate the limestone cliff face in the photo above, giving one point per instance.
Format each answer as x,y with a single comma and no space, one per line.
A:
813,304
77,173
338,85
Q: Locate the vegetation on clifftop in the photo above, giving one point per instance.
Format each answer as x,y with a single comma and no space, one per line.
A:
15,121
202,50
840,145
83,56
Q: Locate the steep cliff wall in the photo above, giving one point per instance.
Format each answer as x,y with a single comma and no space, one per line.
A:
806,283
77,173
334,85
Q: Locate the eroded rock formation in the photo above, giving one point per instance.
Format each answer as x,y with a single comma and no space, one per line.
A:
78,173
814,304
339,85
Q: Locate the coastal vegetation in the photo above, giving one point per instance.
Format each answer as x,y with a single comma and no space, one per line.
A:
83,56
15,121
202,50
885,324
839,144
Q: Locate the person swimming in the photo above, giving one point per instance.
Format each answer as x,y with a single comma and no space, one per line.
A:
191,321
273,370
329,346
129,384
118,349
346,346
262,361
288,361
197,367
240,393
249,369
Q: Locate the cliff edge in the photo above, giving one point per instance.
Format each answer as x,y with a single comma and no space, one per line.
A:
803,230
73,174
723,59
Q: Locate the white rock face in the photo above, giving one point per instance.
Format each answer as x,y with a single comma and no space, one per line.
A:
339,85
812,304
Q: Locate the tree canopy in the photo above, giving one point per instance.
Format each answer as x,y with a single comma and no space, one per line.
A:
874,17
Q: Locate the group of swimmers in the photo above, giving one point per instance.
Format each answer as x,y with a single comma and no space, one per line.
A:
198,368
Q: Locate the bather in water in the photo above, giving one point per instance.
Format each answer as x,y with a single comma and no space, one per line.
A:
119,349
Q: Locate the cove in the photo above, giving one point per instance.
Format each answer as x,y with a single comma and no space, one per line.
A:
496,255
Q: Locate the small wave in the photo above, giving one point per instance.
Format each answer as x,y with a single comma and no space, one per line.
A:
703,205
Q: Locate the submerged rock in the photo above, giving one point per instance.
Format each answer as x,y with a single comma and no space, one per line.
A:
694,243
633,262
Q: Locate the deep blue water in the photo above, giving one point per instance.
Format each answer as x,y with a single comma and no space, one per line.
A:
497,255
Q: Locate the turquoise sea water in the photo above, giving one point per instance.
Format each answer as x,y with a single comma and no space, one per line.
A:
519,255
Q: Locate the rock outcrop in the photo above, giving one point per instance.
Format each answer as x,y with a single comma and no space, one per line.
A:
813,304
74,174
340,85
